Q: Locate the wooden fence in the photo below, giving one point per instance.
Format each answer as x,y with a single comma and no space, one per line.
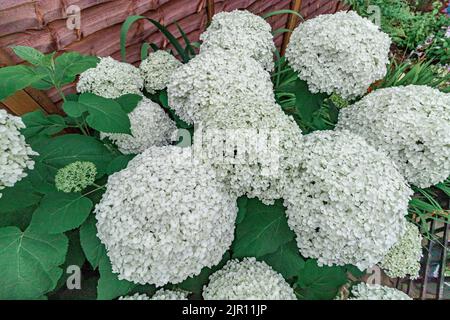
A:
43,24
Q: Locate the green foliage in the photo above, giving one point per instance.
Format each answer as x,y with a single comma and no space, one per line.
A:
319,283
310,111
407,26
29,262
93,249
286,260
59,212
15,78
46,71
428,204
109,286
263,230
183,52
414,72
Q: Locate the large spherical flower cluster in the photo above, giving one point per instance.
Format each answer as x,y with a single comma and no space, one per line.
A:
347,203
220,86
403,258
14,152
156,70
165,217
161,294
411,124
247,280
76,176
339,53
254,159
364,291
111,79
231,98
150,126
242,33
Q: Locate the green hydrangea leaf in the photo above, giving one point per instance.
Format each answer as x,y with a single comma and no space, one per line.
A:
15,78
30,54
242,206
109,286
105,115
129,101
74,108
320,283
20,196
59,212
119,163
19,218
69,148
286,260
263,230
93,249
29,262
39,124
70,64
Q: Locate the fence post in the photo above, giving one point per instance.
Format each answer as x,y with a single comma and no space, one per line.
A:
209,10
296,5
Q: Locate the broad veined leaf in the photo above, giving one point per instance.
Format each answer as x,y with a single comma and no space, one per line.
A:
263,230
42,179
320,283
119,163
19,218
93,249
29,262
39,124
20,196
70,64
69,148
74,108
129,101
286,260
30,54
15,78
59,212
105,115
242,203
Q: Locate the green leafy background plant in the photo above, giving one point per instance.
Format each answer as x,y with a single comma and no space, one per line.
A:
47,231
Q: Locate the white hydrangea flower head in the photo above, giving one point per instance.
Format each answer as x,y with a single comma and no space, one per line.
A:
150,126
136,296
219,86
254,156
364,291
162,294
243,33
165,217
111,79
341,53
15,153
247,280
403,259
347,203
411,124
156,70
